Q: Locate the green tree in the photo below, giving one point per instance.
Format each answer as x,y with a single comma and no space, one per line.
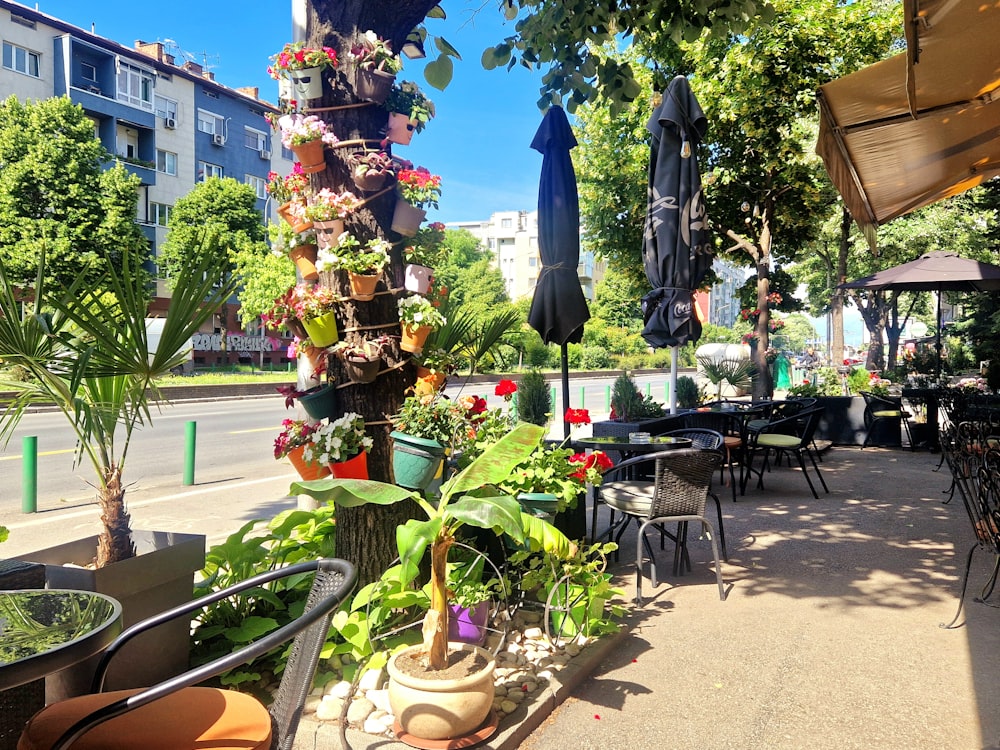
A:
56,194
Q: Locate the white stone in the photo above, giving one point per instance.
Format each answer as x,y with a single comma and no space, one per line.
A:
387,721
340,689
533,633
359,710
373,726
380,698
545,674
372,679
329,708
312,702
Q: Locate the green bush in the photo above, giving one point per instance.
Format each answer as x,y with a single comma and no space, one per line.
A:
629,404
858,380
534,399
595,358
536,354
688,394
574,357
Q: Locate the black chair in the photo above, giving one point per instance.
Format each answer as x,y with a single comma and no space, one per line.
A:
792,435
709,440
880,409
732,427
175,715
678,492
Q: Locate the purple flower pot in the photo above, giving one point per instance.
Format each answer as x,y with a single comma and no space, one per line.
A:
468,625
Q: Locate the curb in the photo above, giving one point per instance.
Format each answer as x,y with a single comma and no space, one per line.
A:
315,735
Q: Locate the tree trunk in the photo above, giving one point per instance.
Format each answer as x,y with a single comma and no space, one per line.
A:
114,543
365,535
763,386
837,300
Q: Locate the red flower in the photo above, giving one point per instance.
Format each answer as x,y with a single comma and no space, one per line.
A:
577,416
506,388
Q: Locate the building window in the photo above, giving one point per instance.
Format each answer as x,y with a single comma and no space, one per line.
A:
286,153
159,213
88,72
254,139
259,185
206,170
20,59
506,223
165,108
166,162
533,261
211,123
135,86
127,143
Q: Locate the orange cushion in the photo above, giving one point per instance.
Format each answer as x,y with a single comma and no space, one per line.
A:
196,717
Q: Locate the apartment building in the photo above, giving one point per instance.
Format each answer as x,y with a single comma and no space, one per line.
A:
512,238
171,124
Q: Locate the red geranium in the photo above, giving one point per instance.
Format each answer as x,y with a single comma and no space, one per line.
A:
591,466
506,388
577,416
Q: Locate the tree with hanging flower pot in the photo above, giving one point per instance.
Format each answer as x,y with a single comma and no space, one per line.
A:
291,444
376,66
418,317
301,66
327,210
371,169
338,442
300,247
290,193
364,267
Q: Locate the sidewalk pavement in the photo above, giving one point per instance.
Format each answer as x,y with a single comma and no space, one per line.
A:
828,637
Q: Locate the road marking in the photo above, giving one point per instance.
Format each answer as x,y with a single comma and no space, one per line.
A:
40,453
256,429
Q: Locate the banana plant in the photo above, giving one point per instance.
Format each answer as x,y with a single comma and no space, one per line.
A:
469,497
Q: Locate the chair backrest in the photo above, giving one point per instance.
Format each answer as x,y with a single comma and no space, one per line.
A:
700,437
333,581
682,480
723,422
985,514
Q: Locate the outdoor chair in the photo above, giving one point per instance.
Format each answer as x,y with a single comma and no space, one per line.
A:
679,492
175,715
879,409
732,427
709,440
775,411
792,435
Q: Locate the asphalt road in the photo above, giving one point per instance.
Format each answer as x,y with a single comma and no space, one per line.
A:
235,480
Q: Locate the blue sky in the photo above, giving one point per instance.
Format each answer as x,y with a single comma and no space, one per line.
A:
478,143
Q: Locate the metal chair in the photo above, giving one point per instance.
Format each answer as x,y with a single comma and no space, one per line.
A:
732,427
880,409
174,715
679,492
792,435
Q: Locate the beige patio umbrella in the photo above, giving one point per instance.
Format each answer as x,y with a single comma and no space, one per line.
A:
923,125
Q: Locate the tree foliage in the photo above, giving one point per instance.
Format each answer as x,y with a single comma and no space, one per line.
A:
56,194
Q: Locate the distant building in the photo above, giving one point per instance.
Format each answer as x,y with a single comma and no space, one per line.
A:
171,124
723,301
512,238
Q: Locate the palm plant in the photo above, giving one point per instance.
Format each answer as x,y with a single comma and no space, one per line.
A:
89,353
737,372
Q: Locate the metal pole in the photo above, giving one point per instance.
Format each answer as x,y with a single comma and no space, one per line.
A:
29,474
564,362
190,434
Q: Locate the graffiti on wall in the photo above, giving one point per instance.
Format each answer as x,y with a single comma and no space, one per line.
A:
235,342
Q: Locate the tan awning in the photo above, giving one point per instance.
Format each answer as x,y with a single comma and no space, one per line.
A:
920,126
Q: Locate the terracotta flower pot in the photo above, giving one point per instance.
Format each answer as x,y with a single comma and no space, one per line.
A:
406,219
417,278
327,232
414,338
356,467
306,470
363,285
322,330
435,380
311,156
400,129
304,257
373,85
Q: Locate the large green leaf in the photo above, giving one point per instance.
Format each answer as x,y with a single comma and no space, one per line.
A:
546,536
496,462
412,538
352,492
502,514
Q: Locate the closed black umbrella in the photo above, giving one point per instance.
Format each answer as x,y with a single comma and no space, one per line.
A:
677,251
558,308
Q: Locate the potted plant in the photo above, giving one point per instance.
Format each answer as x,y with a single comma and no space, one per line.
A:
362,360
364,267
314,306
89,356
633,412
290,193
327,210
302,66
371,169
445,709
471,598
425,252
409,112
300,247
422,431
307,136
417,190
418,317
291,443
376,67
341,444
434,365
737,372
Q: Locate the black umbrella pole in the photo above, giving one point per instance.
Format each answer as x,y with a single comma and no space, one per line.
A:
564,364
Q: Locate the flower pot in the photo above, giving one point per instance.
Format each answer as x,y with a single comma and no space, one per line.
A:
356,467
311,156
327,232
362,370
417,278
373,85
414,338
406,219
468,624
320,403
363,285
306,83
369,182
415,460
304,257
306,470
539,504
440,709
400,129
322,330
434,380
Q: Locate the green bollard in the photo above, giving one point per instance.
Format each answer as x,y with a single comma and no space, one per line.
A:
552,396
29,474
583,397
607,398
190,434
649,391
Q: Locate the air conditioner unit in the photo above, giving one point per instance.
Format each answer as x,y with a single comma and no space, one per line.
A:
169,123
218,139
265,154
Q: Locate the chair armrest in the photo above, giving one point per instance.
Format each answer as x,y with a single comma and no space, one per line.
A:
635,461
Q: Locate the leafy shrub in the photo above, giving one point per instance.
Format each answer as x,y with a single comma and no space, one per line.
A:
688,393
595,358
536,354
858,380
629,404
534,399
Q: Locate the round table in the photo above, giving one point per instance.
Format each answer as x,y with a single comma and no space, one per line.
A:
45,630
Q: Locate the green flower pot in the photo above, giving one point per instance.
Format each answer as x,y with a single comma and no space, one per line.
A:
415,460
320,402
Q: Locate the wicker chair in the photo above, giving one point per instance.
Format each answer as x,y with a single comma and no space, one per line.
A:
679,492
733,430
174,715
